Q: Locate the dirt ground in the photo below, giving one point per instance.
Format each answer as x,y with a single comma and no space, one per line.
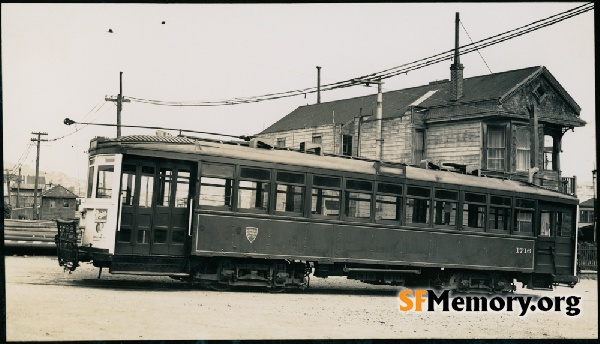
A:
43,303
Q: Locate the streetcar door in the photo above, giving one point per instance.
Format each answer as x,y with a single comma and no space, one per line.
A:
555,243
137,191
171,212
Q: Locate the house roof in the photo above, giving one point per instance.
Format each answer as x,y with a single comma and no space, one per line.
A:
587,204
58,191
497,86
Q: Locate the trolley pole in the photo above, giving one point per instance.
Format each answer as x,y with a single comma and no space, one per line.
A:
38,140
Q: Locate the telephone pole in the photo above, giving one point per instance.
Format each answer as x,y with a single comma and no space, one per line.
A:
18,187
7,178
119,100
38,140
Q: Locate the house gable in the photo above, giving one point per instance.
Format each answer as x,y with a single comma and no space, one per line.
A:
58,192
553,104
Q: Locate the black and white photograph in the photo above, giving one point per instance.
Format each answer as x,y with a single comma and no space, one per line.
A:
292,171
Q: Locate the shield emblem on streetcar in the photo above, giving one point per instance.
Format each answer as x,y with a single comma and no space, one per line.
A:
251,233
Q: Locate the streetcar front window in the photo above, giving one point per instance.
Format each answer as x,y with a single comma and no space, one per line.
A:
104,183
90,180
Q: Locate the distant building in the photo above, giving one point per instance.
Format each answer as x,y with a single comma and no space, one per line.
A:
586,220
22,192
58,203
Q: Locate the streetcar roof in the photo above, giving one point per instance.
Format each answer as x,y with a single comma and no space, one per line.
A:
144,145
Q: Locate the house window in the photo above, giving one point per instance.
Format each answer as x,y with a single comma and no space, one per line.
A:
586,216
419,146
549,153
280,142
52,203
496,148
347,145
523,144
65,203
317,139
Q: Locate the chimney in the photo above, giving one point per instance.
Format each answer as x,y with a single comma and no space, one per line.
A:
456,69
318,85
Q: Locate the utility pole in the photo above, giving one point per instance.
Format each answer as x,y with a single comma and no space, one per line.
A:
18,187
38,140
7,176
119,100
378,116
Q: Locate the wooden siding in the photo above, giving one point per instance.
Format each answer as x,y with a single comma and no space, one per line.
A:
454,142
330,143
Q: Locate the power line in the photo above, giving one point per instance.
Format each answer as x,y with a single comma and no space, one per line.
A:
68,121
390,72
484,61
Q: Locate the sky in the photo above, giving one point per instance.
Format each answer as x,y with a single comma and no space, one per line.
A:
60,60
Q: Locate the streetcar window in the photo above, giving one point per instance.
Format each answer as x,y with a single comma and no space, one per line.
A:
146,190
565,221
164,191
358,205
547,228
555,223
254,194
360,185
474,211
289,198
104,184
329,182
216,186
524,210
325,201
90,181
445,204
292,178
215,192
217,170
500,213
182,189
128,184
417,205
388,202
254,173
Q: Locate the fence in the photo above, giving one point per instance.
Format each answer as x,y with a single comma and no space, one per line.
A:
587,256
28,233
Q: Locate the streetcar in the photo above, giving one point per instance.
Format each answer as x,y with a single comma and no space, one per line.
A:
236,213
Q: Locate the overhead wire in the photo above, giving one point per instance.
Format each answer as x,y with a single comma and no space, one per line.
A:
484,61
390,72
80,128
22,158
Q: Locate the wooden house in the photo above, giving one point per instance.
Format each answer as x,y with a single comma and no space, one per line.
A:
58,203
508,124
